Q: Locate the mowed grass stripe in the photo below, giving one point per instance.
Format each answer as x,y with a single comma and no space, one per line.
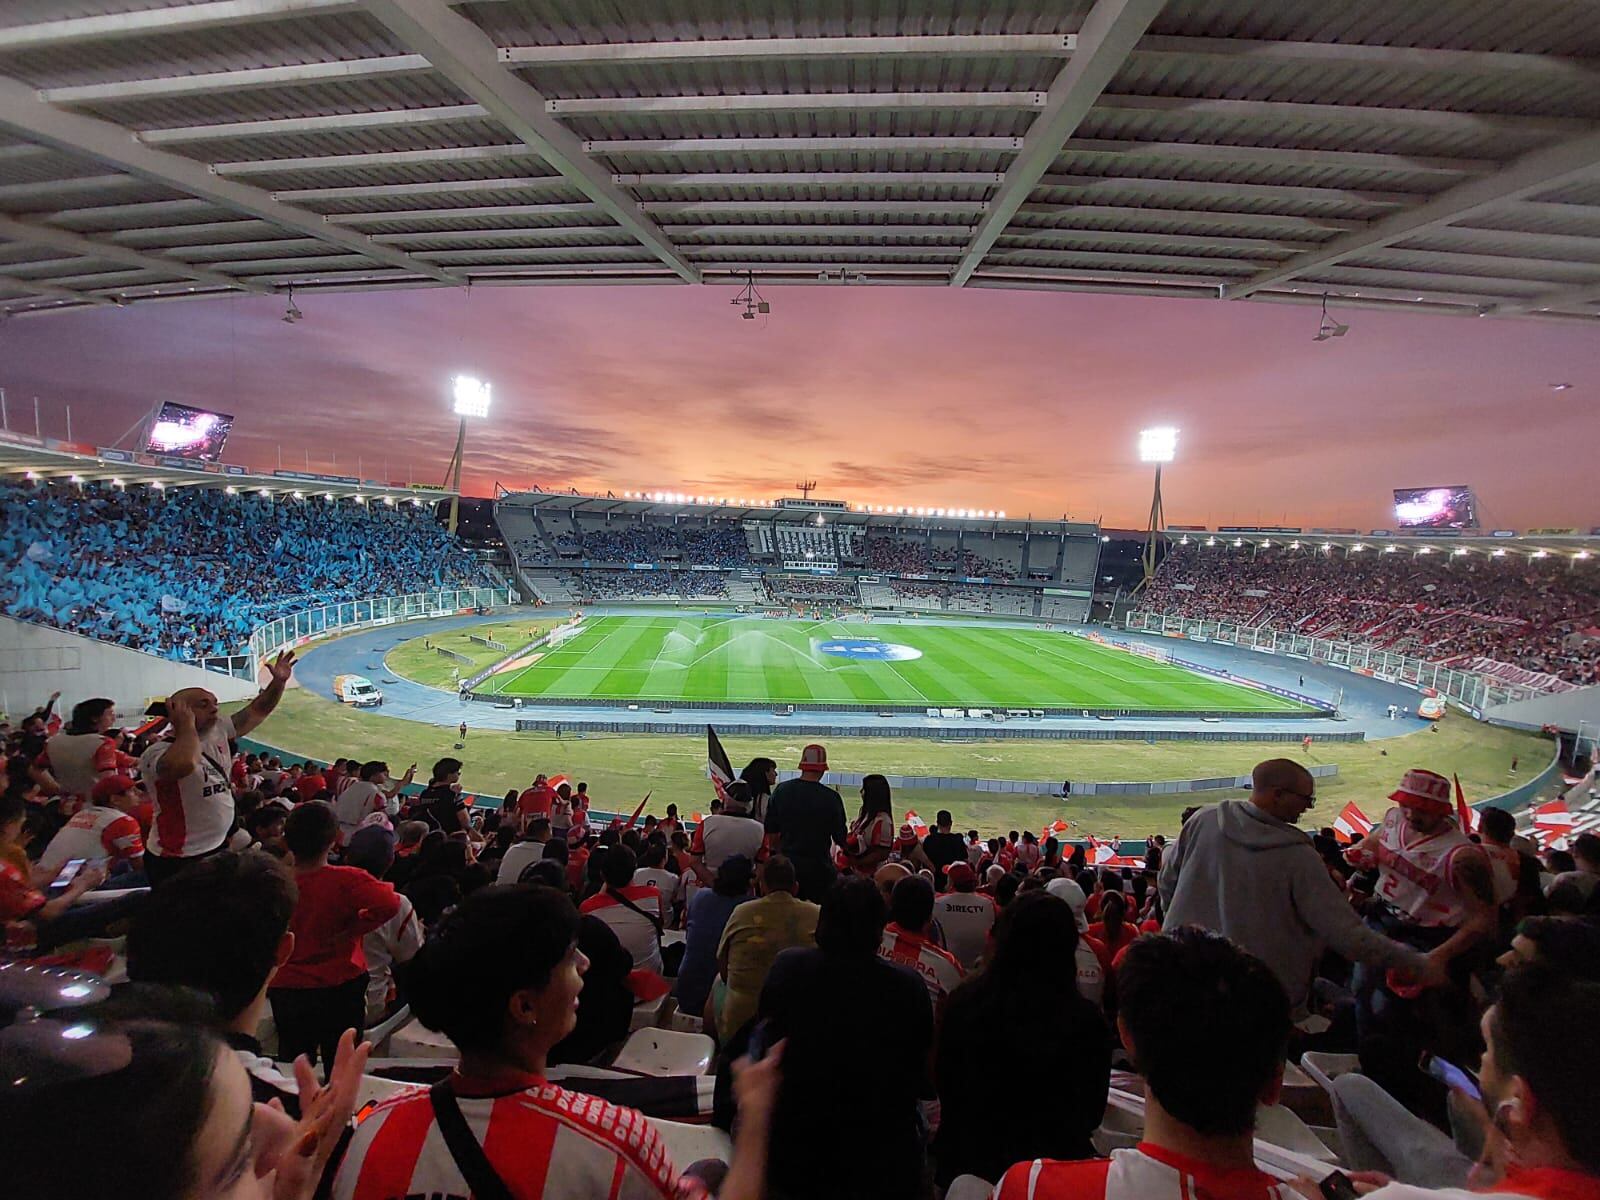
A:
758,661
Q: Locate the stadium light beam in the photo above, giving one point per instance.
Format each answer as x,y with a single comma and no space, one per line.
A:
471,399
1159,445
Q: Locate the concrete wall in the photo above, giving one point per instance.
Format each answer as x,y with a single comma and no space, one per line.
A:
36,660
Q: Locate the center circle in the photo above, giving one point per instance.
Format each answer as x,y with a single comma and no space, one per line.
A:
867,650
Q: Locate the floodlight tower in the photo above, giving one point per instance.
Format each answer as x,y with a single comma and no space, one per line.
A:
471,400
1160,446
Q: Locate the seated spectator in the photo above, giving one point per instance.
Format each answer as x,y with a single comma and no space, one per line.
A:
634,911
1112,930
103,829
1572,889
653,871
182,1110
1030,992
355,798
906,940
1571,941
29,919
605,1016
521,855
755,934
237,905
839,1008
1093,963
321,990
408,842
964,915
501,980
706,918
1206,1025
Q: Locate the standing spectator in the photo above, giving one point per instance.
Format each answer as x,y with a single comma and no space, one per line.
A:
1029,990
398,939
942,847
634,911
82,754
372,792
1028,854
838,1007
321,990
965,915
501,981
1242,869
706,918
722,835
906,940
440,803
807,817
1585,876
871,838
537,800
189,773
755,934
237,905
761,776
311,784
1206,1025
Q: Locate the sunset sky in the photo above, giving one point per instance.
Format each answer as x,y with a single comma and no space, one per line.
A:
1022,401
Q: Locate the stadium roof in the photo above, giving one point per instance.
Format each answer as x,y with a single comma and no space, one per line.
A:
1442,156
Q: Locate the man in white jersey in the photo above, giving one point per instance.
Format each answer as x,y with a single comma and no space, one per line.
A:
103,829
1206,1024
355,798
188,772
964,915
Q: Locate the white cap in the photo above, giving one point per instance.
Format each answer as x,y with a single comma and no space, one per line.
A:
1069,891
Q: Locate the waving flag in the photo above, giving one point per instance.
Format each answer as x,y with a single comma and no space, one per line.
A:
918,825
1351,825
717,764
1467,818
1552,823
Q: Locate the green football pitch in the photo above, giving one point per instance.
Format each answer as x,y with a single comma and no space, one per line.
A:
761,661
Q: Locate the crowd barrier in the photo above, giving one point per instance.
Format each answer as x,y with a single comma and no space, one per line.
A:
960,733
1035,787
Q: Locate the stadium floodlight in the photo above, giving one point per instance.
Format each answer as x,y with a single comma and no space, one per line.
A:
471,396
230,490
1158,444
1359,546
1294,545
299,495
1460,550
1541,554
1501,553
1581,554
1388,549
116,483
1237,542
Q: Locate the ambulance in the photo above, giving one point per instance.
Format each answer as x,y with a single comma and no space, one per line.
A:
357,690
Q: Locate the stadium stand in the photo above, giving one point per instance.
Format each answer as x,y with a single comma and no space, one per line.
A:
187,573
1517,613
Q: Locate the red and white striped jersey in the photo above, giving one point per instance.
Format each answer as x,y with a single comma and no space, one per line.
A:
544,1142
93,832
1146,1173
1416,875
76,761
936,967
639,935
193,814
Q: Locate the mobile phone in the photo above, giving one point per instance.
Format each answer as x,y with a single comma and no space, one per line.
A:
1336,1185
759,1036
69,872
1457,1079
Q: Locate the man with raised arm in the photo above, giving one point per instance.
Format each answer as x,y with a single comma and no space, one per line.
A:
187,772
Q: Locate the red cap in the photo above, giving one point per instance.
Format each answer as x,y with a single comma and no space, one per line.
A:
960,875
814,758
112,785
1425,790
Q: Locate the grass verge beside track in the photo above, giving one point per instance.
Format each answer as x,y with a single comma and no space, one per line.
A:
621,768
418,661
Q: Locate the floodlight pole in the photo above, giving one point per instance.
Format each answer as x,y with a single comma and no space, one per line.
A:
1153,531
452,476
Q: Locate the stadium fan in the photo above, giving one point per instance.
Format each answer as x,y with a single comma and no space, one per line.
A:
1242,869
1028,853
321,989
942,847
635,912
846,1015
654,871
1092,963
176,1113
397,940
722,835
440,803
907,939
312,784
1029,991
1113,930
105,829
501,980
354,798
79,756
1573,890
807,818
872,835
704,921
31,920
964,915
1206,1025
188,773
524,853
755,934
222,928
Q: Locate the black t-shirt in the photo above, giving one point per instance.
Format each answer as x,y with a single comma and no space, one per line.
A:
859,1030
806,816
943,849
438,805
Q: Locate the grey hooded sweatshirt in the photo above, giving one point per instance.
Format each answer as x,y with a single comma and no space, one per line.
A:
1258,881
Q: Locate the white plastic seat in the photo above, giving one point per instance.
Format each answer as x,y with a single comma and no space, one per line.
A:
647,1013
968,1187
414,1041
1325,1066
665,1052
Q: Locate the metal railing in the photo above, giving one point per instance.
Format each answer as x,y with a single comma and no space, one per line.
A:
296,629
1473,691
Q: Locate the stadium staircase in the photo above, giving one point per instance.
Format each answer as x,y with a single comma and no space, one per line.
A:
548,586
746,591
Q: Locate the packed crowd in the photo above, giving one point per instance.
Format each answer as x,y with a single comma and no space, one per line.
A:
867,984
626,585
812,587
1538,614
188,572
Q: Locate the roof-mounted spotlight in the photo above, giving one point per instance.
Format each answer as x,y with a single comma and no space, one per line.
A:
292,315
1329,327
750,298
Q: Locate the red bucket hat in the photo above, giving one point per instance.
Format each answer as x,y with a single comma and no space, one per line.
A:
1425,790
